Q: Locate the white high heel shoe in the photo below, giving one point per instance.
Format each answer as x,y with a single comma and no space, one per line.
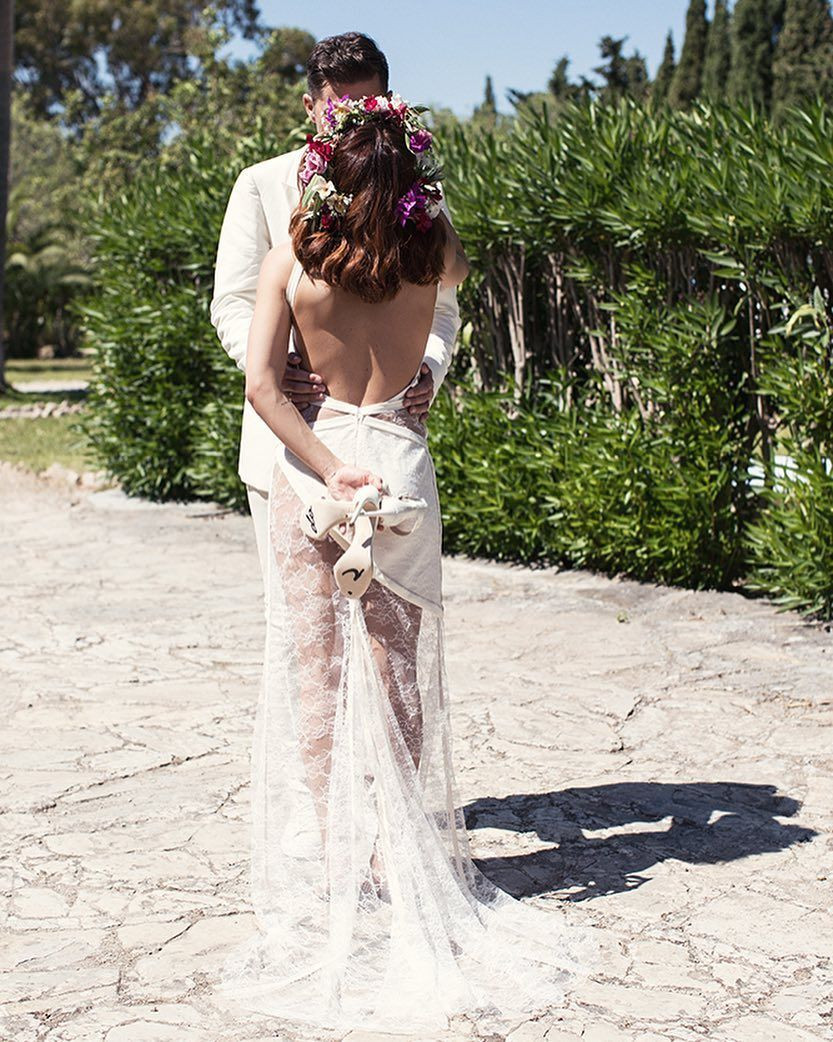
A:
402,515
353,571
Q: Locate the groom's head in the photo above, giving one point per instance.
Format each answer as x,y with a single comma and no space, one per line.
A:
350,63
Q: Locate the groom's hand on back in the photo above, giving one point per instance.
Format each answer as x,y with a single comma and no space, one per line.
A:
418,398
299,386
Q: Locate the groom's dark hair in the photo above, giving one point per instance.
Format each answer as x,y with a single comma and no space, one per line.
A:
346,58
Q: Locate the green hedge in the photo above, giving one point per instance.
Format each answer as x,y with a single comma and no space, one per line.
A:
166,401
791,543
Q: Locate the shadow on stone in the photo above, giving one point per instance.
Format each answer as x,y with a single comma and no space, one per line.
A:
707,823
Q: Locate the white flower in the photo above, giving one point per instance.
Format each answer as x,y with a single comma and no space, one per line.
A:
318,188
339,203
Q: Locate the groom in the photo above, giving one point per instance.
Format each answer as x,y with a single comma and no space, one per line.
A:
257,218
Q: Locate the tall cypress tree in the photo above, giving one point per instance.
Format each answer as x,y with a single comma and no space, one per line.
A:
665,73
718,58
485,114
685,86
489,104
755,28
802,65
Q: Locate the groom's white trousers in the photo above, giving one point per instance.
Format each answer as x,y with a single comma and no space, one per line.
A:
257,505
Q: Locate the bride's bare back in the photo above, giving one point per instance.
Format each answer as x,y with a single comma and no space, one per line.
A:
364,352
369,352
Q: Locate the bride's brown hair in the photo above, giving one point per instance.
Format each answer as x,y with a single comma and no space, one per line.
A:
367,251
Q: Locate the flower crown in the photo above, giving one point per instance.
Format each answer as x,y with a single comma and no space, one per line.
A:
323,202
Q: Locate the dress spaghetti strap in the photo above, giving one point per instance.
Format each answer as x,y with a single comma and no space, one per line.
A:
291,290
294,279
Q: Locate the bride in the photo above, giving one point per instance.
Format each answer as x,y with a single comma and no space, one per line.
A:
369,908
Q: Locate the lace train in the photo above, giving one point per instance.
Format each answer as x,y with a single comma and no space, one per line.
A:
369,908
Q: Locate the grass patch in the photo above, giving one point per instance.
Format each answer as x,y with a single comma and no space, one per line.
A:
38,443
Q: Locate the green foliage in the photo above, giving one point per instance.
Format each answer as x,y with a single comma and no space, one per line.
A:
45,261
41,282
649,255
558,477
118,142
102,138
79,45
791,545
685,86
166,400
621,76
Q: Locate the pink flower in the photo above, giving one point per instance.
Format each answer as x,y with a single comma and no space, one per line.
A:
314,163
370,104
326,219
421,140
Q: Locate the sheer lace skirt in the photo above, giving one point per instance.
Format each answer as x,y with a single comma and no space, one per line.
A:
370,911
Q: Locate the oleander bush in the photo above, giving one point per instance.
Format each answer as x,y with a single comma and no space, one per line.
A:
791,543
627,367
166,401
657,494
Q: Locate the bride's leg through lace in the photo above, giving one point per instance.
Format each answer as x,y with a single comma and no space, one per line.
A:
393,625
317,614
311,601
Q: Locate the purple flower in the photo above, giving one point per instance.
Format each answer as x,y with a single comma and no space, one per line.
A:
413,199
421,140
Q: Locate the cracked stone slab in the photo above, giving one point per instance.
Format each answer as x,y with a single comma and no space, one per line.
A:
658,761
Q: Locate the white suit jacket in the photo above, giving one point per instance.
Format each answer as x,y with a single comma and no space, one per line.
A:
257,218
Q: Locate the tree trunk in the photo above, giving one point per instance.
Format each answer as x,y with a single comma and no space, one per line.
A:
6,58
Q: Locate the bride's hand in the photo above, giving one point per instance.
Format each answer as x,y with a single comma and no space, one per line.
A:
345,481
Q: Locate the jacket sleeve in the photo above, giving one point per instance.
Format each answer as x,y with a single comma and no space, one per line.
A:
244,242
444,329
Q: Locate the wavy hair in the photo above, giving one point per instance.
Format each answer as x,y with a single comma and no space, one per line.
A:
367,251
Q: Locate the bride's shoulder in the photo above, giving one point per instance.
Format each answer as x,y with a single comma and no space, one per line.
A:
277,265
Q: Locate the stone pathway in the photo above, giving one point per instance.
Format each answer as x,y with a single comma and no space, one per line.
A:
45,386
38,410
658,761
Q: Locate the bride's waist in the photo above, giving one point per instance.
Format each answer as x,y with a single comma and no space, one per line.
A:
386,417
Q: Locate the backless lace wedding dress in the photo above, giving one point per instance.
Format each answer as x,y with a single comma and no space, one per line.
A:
370,911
